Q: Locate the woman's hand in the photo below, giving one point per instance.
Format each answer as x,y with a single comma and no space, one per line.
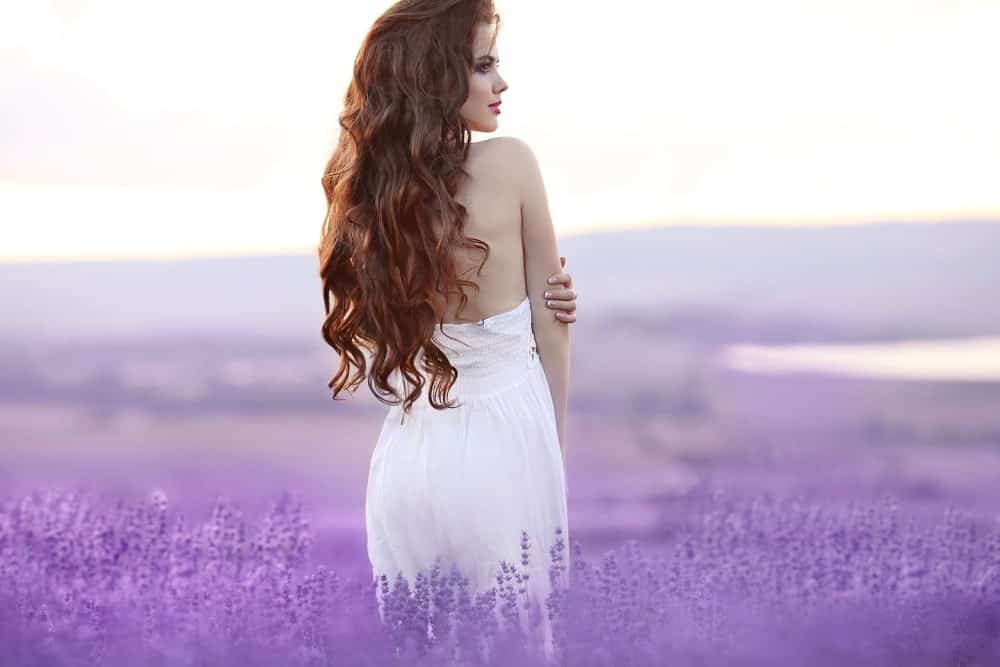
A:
561,299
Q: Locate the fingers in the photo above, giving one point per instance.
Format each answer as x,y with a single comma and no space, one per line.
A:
562,300
563,294
561,277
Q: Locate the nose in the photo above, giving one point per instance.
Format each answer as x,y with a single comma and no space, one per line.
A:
500,86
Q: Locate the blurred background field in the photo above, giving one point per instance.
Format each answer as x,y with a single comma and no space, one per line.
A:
157,375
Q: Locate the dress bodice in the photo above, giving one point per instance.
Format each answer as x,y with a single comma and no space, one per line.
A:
489,355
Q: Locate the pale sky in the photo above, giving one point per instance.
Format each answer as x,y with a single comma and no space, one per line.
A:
151,129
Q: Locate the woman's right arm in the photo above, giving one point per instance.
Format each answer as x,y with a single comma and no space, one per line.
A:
541,260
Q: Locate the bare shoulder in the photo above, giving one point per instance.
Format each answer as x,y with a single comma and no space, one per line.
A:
508,149
508,155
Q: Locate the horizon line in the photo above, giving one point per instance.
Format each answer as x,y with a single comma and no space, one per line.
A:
720,225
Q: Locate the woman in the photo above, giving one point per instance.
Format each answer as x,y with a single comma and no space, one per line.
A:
471,454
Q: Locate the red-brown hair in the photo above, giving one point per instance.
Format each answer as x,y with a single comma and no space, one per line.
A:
390,185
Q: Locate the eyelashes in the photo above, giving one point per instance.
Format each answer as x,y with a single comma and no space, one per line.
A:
479,68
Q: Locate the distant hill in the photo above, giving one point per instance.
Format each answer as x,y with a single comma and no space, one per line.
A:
930,279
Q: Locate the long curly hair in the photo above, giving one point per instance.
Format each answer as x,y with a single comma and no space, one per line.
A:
392,220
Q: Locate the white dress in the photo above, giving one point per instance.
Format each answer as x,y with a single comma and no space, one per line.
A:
464,483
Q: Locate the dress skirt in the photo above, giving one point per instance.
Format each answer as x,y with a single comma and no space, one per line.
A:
467,485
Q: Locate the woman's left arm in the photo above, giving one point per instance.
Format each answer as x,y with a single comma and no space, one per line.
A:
561,299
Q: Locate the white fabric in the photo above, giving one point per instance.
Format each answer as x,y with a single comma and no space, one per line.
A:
463,483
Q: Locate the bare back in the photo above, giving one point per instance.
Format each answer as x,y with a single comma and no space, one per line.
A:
491,198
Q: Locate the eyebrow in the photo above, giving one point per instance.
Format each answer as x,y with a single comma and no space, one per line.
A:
488,58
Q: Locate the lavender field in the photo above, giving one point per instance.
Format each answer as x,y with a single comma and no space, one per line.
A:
760,580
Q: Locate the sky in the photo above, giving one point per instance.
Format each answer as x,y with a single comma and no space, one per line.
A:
134,129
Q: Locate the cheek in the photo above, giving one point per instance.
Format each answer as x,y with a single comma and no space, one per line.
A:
480,88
